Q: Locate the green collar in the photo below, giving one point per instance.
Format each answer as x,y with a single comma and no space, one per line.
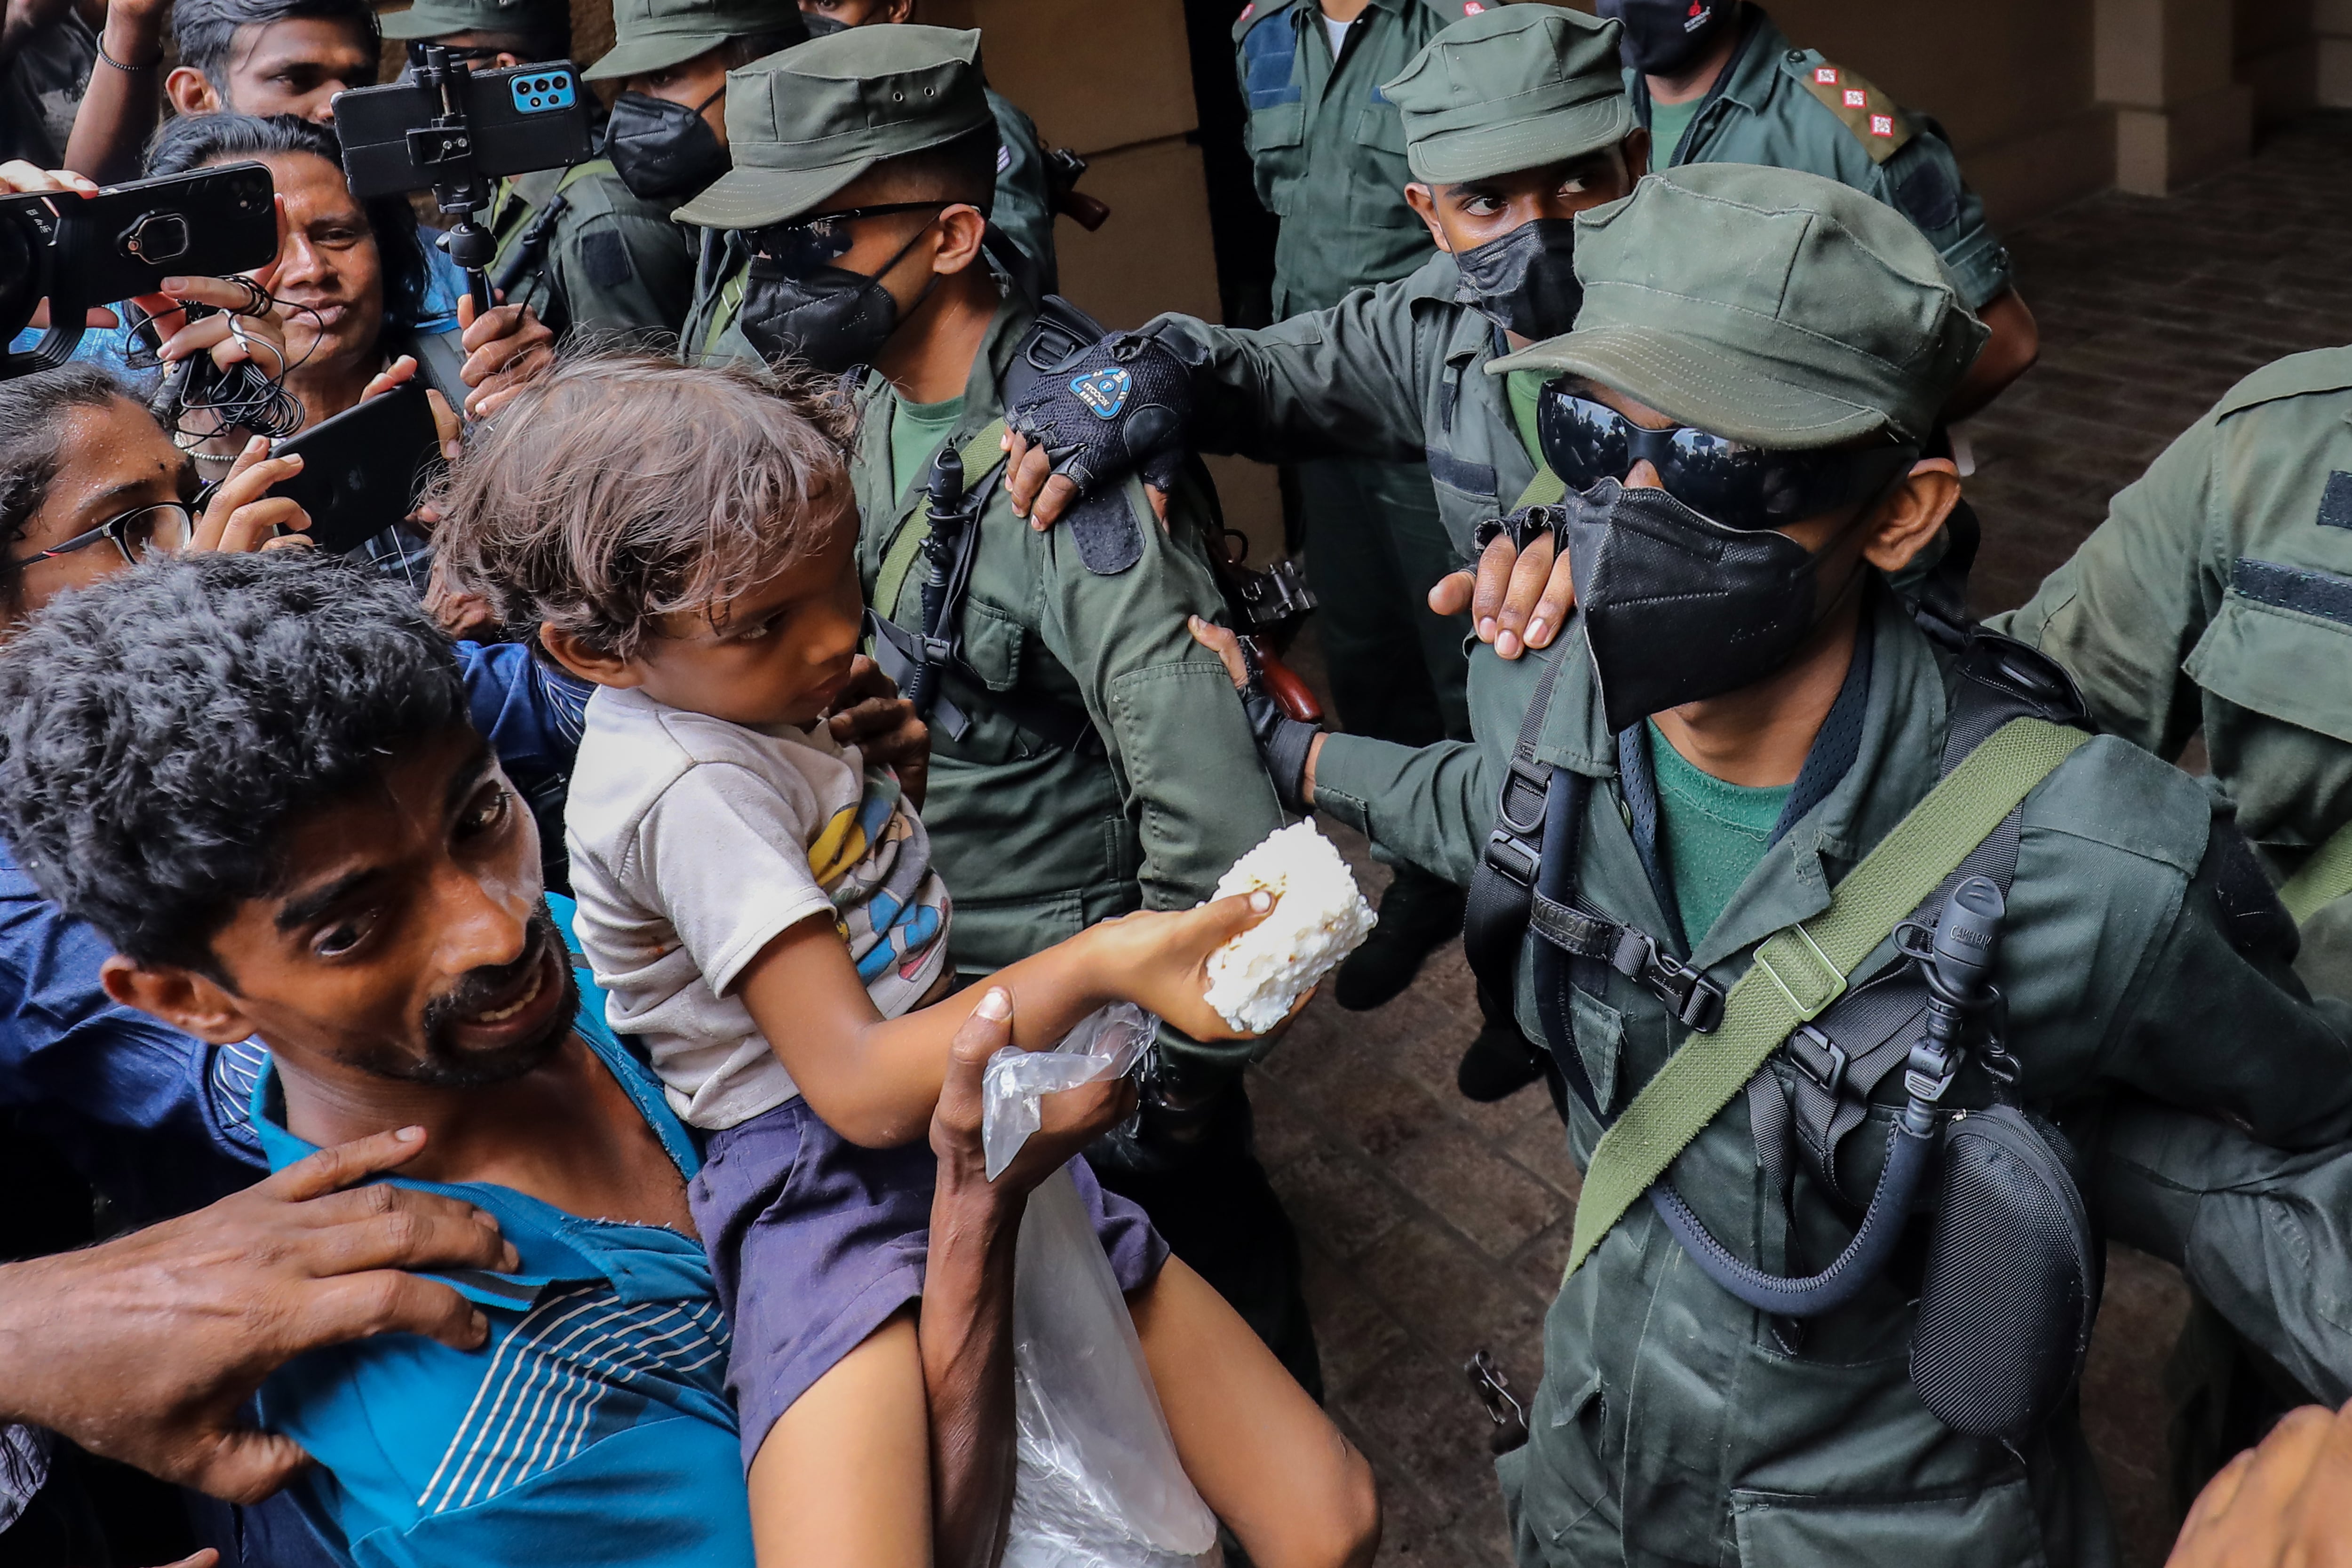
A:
1894,767
1753,73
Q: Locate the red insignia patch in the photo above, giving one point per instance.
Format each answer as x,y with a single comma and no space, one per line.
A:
1472,8
1856,99
1247,12
1826,75
1882,125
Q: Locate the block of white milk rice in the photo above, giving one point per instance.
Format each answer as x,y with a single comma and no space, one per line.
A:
1319,917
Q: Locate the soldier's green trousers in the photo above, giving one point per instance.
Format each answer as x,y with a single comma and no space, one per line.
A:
1374,548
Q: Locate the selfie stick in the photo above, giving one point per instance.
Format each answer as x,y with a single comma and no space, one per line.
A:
446,145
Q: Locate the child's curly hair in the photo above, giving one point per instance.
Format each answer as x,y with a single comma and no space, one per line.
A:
620,486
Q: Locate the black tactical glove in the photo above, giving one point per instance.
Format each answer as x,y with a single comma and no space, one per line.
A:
1124,407
1522,526
1284,743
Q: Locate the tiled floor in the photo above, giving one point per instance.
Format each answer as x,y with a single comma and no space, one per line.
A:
1433,1227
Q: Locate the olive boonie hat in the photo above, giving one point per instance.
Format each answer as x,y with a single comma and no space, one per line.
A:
1512,88
439,18
806,122
654,34
1767,306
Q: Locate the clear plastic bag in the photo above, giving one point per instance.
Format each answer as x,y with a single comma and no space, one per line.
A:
1097,1481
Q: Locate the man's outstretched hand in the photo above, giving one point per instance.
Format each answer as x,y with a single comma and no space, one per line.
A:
1073,1118
144,1348
1519,599
2286,1504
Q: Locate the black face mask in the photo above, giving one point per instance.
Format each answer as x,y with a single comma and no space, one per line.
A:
829,318
822,26
664,150
1677,606
1525,282
1662,37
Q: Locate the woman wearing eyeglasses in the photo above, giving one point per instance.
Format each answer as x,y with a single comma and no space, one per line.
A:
89,483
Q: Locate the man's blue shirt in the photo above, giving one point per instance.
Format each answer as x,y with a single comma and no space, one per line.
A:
150,1116
592,1428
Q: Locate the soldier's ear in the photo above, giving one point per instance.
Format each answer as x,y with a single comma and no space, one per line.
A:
962,229
1636,151
1913,514
1423,203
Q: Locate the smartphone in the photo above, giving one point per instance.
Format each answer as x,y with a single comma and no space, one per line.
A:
125,240
517,121
364,470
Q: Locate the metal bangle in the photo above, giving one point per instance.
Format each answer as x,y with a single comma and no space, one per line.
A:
128,71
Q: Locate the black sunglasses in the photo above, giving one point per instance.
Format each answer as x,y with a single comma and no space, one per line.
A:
162,528
801,247
1738,486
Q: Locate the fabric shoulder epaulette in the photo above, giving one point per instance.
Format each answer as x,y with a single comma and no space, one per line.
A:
1257,12
2297,375
1873,118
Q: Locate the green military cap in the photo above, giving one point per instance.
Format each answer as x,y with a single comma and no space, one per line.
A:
654,34
439,18
1772,307
803,124
1511,88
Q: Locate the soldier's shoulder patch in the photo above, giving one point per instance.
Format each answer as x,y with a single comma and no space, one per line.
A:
2297,375
1875,119
606,257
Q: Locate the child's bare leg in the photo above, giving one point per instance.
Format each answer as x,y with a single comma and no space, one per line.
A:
845,1477
1265,1459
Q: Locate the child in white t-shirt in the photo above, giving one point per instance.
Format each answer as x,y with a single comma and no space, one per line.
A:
754,894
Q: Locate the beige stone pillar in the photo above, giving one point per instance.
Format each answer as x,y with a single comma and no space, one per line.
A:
2164,66
2332,21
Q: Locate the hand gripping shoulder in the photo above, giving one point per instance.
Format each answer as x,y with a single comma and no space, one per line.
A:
1122,407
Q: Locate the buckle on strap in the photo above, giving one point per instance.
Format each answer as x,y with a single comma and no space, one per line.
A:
1514,848
1695,1001
1828,1077
1798,968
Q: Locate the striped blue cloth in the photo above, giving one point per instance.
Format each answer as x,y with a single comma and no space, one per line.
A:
594,1427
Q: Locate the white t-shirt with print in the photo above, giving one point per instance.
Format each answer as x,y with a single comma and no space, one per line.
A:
695,843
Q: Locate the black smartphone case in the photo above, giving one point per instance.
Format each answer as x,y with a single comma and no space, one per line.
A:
518,120
363,469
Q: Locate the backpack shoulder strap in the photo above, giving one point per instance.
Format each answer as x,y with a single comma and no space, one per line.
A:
1503,888
1800,970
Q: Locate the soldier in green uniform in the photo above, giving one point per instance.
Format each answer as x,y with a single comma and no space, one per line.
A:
2216,600
1327,148
1717,800
1087,757
1024,198
1716,82
1512,122
713,326
576,245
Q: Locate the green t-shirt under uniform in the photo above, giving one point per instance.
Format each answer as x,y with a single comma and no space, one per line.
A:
1667,123
918,430
1715,833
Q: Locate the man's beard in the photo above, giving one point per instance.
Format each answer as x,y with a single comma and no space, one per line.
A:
448,1064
